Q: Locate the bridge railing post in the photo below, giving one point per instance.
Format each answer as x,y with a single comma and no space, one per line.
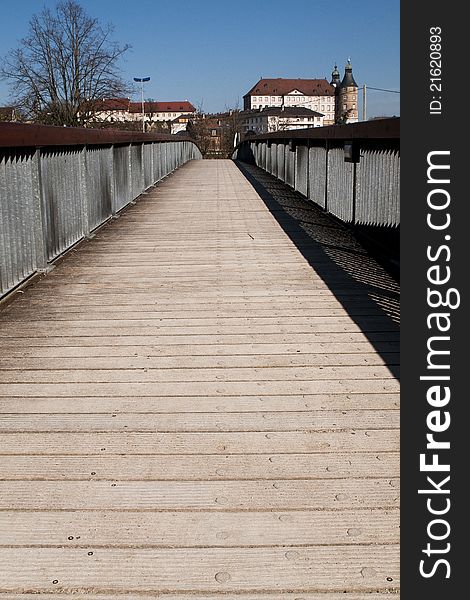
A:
317,166
142,167
129,172
40,234
111,164
151,178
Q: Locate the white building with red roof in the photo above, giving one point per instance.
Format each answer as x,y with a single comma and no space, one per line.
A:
121,110
318,95
277,118
161,111
315,94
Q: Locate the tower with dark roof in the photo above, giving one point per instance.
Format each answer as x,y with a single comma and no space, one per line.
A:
335,77
346,97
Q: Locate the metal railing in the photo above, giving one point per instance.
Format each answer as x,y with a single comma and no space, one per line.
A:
351,171
57,185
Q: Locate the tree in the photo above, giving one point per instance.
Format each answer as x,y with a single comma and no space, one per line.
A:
65,63
233,129
343,119
200,130
9,114
216,133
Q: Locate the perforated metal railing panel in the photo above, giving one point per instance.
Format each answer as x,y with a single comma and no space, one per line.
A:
50,198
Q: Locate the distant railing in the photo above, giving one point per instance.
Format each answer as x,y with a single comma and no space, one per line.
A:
351,171
57,185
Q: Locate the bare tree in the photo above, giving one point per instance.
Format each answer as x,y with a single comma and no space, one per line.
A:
233,129
215,133
65,63
200,130
200,106
343,118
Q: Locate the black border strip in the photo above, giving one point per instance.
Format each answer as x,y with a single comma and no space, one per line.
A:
428,128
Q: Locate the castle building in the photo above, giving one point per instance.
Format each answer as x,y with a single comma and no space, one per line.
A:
315,94
335,100
345,95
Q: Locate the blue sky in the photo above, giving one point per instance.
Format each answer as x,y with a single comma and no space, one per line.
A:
212,52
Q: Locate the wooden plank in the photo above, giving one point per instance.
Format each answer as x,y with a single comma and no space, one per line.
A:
329,326
208,324
153,349
198,375
204,313
282,595
207,467
196,529
284,305
211,313
209,388
317,568
132,295
199,362
205,422
297,494
293,442
253,289
205,404
208,339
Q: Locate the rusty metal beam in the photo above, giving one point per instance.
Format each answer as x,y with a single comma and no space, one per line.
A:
379,129
14,135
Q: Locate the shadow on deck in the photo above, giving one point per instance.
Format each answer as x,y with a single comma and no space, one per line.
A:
359,282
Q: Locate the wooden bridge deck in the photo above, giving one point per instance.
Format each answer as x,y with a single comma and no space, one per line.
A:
201,400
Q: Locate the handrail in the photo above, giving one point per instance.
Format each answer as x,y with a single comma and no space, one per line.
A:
373,130
351,171
22,134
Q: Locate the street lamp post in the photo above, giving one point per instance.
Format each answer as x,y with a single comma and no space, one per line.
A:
142,80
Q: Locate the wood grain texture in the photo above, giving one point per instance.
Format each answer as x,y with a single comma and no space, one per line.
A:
202,401
200,495
122,467
135,529
210,422
313,568
273,595
206,404
291,442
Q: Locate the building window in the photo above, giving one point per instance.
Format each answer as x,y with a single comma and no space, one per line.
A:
213,132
